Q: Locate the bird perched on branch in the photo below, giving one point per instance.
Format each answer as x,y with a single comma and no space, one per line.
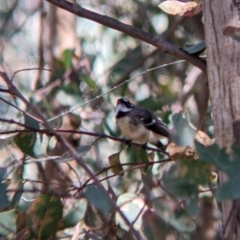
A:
140,125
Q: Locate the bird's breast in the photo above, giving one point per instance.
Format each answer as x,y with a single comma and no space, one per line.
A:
133,131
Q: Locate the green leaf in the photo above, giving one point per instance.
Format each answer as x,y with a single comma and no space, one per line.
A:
44,215
17,183
177,218
31,122
36,145
228,163
99,199
132,207
4,202
207,153
185,134
191,206
139,155
76,213
7,224
2,173
67,58
91,219
184,177
115,164
229,190
143,158
196,49
89,81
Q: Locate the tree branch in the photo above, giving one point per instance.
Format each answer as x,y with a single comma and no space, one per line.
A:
134,32
93,134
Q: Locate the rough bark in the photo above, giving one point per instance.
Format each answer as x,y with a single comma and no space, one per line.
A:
221,18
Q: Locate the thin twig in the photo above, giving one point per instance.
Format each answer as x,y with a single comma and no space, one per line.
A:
28,69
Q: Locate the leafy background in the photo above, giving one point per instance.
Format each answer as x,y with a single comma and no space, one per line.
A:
73,70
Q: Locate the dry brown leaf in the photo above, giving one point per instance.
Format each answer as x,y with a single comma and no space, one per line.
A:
203,138
177,152
186,9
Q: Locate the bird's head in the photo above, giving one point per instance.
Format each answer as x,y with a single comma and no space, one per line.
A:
123,106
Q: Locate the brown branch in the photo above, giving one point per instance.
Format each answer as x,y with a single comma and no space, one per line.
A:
134,32
93,134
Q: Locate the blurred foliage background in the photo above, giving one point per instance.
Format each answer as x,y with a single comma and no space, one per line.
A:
74,70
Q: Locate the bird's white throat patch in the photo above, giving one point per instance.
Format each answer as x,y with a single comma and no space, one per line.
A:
122,108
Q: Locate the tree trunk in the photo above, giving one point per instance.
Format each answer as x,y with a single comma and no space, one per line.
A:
221,18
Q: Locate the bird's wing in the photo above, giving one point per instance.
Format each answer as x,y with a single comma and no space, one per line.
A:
152,123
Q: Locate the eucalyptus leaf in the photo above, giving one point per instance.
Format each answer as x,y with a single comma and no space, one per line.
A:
67,58
184,177
89,81
17,183
229,190
99,199
4,202
185,134
228,163
115,164
196,49
176,218
8,224
76,213
31,123
36,145
44,215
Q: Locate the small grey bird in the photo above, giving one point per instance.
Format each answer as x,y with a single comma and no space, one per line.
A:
140,125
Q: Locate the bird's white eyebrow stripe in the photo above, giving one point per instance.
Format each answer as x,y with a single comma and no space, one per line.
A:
151,123
122,108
